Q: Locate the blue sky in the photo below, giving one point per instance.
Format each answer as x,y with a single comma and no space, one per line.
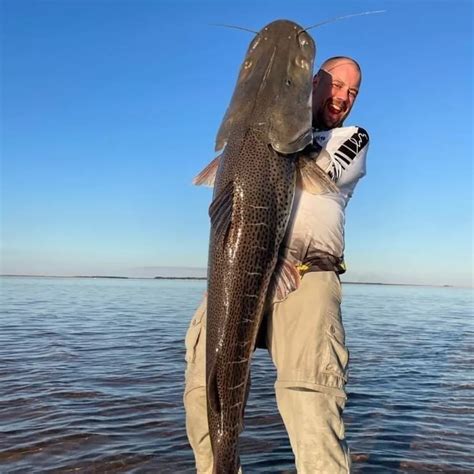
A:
109,108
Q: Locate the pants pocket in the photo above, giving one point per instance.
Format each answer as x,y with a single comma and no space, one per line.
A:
338,354
193,334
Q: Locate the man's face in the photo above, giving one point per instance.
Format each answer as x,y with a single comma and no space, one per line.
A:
335,89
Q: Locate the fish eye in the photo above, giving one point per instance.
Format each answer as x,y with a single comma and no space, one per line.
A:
303,39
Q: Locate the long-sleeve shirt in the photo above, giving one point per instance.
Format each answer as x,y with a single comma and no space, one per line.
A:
317,220
316,227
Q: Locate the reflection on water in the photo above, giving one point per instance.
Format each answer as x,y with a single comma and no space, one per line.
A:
91,379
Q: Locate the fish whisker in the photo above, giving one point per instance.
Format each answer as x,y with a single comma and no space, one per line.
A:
332,20
233,27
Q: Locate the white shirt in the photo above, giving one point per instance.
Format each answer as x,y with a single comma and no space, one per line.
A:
317,221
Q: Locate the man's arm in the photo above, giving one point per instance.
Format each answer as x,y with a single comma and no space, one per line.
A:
343,156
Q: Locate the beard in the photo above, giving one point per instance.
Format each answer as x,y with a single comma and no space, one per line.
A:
327,117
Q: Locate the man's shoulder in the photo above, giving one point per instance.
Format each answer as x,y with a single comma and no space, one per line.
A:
339,134
345,143
360,134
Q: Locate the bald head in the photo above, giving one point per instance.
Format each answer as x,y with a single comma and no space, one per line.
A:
338,61
335,88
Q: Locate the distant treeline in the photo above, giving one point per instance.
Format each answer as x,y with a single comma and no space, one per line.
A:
179,278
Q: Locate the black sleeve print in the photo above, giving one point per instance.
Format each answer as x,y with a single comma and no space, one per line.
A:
346,153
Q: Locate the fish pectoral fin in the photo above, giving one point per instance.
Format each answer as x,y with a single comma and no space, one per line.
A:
220,211
208,175
286,278
312,178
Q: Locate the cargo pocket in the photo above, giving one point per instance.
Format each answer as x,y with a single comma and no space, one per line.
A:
338,356
194,335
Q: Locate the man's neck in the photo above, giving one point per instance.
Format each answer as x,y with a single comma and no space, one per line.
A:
323,127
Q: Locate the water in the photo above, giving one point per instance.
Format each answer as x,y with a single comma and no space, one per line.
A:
91,379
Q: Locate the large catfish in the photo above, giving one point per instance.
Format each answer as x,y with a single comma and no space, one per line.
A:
266,124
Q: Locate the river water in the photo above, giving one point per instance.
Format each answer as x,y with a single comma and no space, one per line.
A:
91,379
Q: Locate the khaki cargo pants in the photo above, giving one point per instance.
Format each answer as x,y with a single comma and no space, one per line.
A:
306,341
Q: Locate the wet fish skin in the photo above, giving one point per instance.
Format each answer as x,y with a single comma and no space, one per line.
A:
266,124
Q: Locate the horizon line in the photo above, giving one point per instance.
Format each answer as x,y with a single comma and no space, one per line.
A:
160,277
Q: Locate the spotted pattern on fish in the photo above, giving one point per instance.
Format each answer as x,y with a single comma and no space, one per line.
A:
266,124
243,252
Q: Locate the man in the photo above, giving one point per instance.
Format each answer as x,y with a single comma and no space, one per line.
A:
304,332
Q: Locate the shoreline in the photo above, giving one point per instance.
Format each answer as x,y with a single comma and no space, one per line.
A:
159,277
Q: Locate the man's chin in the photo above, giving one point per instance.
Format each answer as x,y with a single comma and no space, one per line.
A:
333,122
326,121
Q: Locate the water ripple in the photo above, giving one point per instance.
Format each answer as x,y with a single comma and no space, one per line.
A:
92,377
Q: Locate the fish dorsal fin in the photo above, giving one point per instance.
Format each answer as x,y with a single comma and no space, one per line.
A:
208,175
312,178
220,211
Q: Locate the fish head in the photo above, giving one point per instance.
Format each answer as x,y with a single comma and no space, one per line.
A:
274,88
290,116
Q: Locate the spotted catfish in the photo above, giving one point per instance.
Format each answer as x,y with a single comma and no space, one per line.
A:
266,124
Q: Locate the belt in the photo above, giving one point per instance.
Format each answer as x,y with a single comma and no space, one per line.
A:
322,262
